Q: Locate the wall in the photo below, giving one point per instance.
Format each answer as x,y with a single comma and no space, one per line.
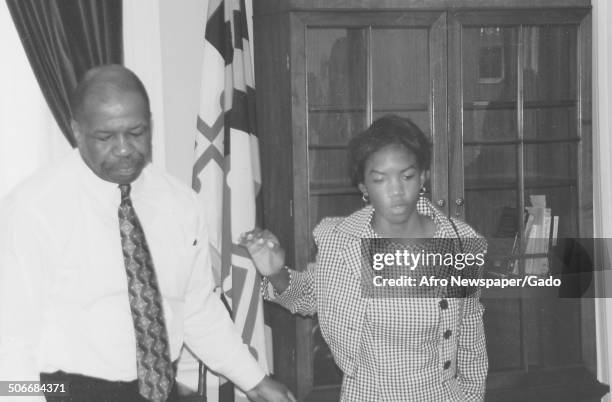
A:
29,135
163,44
182,39
602,168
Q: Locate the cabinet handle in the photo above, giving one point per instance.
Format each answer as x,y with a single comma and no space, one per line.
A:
441,203
459,201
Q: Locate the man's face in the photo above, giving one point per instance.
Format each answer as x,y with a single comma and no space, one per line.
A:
114,136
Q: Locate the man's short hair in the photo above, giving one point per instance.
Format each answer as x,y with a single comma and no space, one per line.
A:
109,76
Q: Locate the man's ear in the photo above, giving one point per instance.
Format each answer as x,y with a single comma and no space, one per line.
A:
76,130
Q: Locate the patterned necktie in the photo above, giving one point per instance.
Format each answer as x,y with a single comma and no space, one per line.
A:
155,370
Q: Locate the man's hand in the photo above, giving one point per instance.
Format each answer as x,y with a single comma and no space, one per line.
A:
265,250
269,390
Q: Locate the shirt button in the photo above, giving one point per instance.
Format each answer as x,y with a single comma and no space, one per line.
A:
447,333
443,304
447,365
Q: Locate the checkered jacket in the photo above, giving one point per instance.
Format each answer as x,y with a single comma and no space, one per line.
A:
390,349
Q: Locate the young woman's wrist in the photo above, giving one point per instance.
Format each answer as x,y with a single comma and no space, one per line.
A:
280,280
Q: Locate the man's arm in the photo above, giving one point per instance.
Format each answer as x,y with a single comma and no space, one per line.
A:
21,280
472,363
211,335
209,330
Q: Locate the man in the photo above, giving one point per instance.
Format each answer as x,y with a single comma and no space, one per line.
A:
104,266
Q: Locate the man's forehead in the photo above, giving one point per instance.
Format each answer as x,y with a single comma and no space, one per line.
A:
110,98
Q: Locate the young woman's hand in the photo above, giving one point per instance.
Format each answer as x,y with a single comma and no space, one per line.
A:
265,250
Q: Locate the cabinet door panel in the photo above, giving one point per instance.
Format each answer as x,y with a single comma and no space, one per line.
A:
336,67
334,128
489,64
489,121
400,70
516,110
550,62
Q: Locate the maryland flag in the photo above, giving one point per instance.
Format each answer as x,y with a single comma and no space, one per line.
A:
226,173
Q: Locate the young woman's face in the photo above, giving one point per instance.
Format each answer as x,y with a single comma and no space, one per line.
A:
392,181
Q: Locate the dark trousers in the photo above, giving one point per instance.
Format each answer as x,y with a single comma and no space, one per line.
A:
90,389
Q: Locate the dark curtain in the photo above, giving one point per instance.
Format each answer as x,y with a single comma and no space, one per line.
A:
65,38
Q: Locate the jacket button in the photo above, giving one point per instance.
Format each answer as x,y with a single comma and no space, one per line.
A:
447,333
443,304
447,365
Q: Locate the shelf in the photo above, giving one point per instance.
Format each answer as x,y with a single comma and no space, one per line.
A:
336,108
397,107
511,184
328,146
500,105
526,141
336,188
341,188
406,107
567,384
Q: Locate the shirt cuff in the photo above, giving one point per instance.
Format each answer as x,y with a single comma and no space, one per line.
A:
248,375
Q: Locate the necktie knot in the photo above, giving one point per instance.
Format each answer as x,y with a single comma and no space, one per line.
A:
125,191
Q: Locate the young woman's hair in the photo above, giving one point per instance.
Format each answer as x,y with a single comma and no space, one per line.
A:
387,130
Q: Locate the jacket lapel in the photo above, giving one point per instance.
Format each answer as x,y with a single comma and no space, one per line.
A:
355,228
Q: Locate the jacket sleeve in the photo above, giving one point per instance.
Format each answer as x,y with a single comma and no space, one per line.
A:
299,297
472,363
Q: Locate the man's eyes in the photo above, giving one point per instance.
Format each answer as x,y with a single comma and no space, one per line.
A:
107,137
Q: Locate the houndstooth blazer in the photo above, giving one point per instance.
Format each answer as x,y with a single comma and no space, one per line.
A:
441,352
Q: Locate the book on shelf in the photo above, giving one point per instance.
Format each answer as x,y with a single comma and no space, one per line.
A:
540,228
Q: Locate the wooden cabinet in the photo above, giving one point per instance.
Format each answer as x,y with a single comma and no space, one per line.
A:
503,91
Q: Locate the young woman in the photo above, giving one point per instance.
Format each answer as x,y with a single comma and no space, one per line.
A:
389,349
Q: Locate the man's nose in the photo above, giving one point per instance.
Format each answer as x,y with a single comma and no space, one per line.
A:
123,146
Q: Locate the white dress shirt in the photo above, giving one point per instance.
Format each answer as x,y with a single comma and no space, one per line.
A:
63,288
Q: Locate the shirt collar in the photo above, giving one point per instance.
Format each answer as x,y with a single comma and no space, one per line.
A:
105,192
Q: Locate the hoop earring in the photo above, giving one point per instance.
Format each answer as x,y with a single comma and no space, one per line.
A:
365,198
423,190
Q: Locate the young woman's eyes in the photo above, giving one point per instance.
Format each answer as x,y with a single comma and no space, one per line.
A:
380,179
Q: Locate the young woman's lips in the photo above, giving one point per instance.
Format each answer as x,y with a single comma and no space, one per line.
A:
399,208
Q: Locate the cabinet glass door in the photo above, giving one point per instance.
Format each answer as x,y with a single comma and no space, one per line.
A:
521,141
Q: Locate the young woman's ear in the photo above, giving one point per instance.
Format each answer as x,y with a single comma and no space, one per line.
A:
362,188
425,175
